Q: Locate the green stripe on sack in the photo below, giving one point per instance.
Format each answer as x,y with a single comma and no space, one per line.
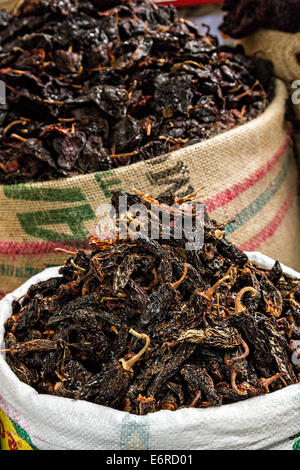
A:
23,434
7,270
74,217
296,445
261,201
21,191
104,185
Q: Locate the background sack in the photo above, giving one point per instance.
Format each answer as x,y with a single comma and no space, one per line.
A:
283,49
29,420
8,4
249,175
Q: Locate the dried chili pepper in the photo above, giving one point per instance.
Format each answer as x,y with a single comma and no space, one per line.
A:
142,325
243,17
95,85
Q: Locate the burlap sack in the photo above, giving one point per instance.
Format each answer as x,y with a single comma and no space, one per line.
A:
249,175
8,4
283,49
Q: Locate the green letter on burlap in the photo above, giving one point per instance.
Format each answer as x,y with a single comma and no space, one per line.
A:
74,217
104,185
21,191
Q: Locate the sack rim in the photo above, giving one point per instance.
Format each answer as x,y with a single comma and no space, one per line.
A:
254,423
255,257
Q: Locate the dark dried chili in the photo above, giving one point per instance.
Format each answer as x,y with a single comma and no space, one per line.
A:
142,325
92,86
244,17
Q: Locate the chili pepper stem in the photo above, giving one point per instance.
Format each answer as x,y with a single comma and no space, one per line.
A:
267,382
293,300
13,123
233,383
127,365
177,283
198,395
76,266
243,356
18,137
190,197
74,253
238,306
210,292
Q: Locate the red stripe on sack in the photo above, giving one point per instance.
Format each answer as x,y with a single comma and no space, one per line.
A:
212,203
36,248
270,229
226,196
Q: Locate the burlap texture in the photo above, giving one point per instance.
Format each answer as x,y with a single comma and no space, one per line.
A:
8,4
283,49
249,174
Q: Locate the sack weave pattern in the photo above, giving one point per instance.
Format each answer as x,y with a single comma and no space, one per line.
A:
283,49
249,175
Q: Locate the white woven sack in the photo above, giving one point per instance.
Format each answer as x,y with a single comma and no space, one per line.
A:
266,422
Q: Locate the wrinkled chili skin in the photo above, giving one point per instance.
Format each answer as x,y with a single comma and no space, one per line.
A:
143,325
245,17
91,89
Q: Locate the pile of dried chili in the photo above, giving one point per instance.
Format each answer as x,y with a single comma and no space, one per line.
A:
244,17
95,85
143,324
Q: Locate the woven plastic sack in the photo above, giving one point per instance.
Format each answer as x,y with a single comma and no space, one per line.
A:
249,175
30,420
283,49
